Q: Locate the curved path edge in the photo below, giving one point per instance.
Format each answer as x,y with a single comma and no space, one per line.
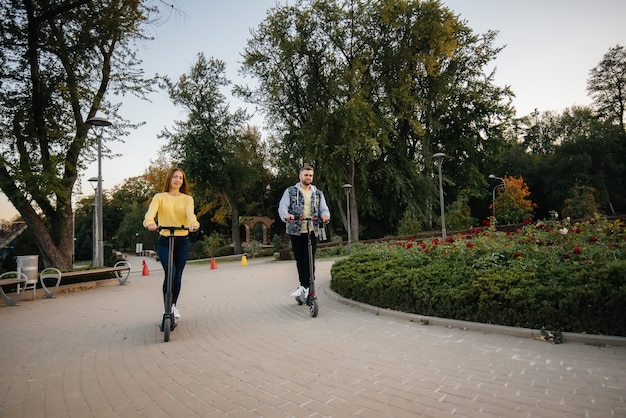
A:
590,339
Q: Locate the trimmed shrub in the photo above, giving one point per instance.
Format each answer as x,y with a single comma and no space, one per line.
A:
544,276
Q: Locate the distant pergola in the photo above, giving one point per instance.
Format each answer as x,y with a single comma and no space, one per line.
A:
249,222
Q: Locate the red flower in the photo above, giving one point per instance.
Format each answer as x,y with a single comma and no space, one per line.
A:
566,256
449,239
469,245
593,239
486,222
577,250
409,245
517,254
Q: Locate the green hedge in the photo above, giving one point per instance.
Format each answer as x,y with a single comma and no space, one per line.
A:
499,278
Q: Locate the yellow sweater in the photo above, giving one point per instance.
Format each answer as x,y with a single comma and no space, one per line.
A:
172,211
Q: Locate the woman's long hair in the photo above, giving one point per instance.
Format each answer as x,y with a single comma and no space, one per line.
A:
184,188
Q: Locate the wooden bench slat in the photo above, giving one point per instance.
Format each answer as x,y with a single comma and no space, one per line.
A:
118,269
20,279
93,271
7,282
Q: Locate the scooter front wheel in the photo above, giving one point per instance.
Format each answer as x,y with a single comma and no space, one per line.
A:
313,308
167,327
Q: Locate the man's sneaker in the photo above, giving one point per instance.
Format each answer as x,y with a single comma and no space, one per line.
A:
299,292
175,312
306,293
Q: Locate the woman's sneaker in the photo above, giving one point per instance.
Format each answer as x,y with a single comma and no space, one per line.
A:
175,312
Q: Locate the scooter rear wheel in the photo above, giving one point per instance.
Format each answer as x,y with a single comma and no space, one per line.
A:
313,308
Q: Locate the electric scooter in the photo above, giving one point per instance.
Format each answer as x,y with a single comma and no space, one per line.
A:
168,323
311,299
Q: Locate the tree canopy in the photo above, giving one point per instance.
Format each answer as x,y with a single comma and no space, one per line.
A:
607,86
364,91
367,92
58,62
212,144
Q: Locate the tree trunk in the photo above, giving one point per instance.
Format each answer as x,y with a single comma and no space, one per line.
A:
354,216
235,235
55,250
234,225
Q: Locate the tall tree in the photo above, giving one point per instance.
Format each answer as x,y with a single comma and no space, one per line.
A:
369,91
302,70
58,60
607,86
212,144
438,98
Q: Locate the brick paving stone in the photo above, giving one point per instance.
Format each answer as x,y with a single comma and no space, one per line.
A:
244,348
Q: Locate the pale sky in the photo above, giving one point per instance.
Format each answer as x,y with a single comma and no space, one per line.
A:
551,45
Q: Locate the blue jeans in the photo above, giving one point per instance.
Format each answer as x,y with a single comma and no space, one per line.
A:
181,252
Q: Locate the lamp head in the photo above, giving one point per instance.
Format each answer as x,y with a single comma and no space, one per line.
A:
438,158
94,182
347,187
98,121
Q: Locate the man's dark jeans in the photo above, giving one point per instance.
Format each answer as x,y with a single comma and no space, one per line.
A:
300,253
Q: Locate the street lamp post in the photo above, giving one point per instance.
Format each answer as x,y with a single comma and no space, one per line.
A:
493,199
347,187
94,224
438,160
102,123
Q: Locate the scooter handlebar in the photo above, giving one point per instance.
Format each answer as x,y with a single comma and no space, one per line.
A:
172,228
316,220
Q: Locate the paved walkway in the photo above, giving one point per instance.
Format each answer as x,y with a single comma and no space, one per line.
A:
244,348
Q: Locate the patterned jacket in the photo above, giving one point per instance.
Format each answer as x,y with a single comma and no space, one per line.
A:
293,202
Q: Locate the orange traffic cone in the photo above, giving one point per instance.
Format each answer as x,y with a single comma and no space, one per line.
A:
145,271
213,264
244,260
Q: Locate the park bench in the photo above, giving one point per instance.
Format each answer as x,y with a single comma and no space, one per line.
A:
148,253
121,270
12,278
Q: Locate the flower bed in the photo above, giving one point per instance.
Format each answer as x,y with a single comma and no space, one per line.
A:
548,275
